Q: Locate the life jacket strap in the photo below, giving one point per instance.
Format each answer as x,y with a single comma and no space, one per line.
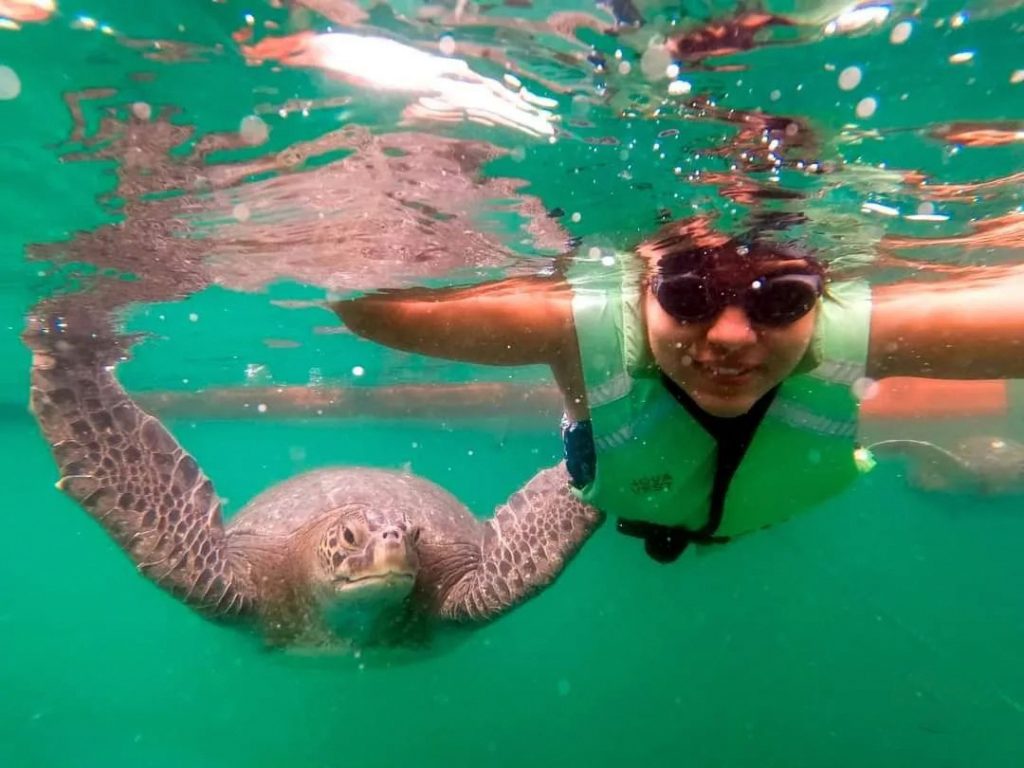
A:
665,543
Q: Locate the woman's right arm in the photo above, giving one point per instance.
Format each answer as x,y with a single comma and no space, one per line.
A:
517,321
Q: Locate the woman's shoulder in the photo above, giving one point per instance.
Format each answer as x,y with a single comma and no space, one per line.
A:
842,328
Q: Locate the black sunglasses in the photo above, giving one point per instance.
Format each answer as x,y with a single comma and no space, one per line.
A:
770,300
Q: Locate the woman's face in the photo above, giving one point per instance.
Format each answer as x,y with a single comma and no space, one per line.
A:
727,363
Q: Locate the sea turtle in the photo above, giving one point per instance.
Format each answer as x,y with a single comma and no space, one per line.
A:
339,557
983,464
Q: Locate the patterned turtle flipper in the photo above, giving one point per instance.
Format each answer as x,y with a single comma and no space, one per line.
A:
523,548
980,464
933,468
126,470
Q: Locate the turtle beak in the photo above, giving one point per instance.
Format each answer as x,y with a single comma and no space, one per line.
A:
394,552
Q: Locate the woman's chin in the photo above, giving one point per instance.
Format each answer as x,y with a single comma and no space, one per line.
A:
725,406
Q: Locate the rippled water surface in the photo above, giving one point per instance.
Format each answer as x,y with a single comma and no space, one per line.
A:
215,170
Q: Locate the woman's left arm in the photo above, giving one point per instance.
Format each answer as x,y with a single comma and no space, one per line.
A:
958,329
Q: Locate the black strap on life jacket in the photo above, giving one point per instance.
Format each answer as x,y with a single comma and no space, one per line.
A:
733,436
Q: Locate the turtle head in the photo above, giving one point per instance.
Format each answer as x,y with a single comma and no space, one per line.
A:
365,559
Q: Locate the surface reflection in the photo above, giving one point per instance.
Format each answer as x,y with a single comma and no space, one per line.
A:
396,207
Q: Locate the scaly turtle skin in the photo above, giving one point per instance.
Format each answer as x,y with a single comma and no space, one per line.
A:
985,465
346,556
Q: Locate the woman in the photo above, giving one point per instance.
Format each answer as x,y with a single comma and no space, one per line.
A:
710,383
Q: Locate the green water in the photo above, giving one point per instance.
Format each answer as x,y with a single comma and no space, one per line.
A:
883,629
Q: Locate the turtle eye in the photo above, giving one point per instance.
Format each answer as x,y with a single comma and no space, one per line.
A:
414,534
350,538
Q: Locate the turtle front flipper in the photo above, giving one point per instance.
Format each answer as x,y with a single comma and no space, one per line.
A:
932,468
523,548
123,467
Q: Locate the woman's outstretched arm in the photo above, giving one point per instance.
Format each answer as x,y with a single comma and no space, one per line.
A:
969,328
518,321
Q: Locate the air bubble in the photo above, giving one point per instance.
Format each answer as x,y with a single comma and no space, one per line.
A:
253,130
850,78
679,88
864,388
655,62
10,83
901,33
884,210
866,107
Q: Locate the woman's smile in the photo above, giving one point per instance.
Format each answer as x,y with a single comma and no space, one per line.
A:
728,363
726,374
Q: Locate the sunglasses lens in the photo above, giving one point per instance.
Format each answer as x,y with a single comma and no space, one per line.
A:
782,300
686,297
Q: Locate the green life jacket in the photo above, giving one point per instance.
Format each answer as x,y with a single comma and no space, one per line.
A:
655,463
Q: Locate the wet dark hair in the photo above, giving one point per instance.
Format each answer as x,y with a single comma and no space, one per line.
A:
690,245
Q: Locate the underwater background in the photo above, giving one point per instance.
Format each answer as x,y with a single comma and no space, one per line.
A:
226,187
